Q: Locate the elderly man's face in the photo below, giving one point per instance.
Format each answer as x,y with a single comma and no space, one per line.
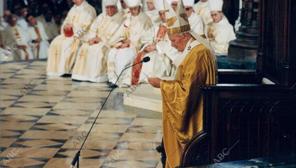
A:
6,14
12,20
77,2
174,5
150,5
178,41
135,11
162,16
216,16
32,21
188,10
111,10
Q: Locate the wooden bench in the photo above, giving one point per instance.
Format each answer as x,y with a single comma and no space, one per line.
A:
243,121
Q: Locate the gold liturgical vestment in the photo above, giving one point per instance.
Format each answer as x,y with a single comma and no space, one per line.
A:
182,100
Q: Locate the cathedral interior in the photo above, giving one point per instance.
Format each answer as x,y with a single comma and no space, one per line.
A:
248,117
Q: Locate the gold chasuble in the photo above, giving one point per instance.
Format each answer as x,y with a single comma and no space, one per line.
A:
183,102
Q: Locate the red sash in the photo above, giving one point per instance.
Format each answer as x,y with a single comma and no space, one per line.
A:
136,70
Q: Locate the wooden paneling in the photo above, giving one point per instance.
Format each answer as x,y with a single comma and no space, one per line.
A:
243,122
277,45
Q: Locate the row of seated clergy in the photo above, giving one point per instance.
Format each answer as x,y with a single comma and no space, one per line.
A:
112,43
206,19
46,19
63,49
219,33
143,40
137,36
216,26
91,62
25,44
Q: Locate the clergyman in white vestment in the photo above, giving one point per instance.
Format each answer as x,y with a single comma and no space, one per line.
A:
135,33
91,63
63,49
15,38
221,32
39,37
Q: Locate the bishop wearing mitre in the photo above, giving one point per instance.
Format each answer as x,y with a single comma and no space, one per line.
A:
181,98
91,63
134,36
63,49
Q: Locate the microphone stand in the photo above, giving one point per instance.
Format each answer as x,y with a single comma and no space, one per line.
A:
77,156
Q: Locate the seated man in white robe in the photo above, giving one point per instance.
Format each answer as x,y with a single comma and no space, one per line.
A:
39,38
195,20
5,54
203,10
174,4
63,49
51,28
162,54
16,39
135,33
91,63
4,22
21,21
122,6
220,33
152,12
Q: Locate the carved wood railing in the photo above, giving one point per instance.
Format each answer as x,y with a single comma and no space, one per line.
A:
243,122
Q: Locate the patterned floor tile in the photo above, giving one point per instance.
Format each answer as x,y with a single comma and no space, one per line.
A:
63,119
30,152
44,121
128,164
147,146
38,143
105,128
6,142
26,111
22,162
141,137
147,122
55,126
9,125
133,155
62,162
70,112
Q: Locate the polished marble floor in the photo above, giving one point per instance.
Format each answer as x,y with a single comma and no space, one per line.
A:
44,121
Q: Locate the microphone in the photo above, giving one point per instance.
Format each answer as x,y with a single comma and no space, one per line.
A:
145,59
77,155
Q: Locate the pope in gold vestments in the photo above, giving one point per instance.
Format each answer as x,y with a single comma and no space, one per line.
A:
183,102
182,99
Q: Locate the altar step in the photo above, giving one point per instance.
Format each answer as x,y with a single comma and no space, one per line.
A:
143,97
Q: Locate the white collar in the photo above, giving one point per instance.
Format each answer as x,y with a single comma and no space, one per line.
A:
222,21
189,46
81,5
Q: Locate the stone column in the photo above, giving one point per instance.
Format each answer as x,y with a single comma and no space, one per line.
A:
245,47
1,7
